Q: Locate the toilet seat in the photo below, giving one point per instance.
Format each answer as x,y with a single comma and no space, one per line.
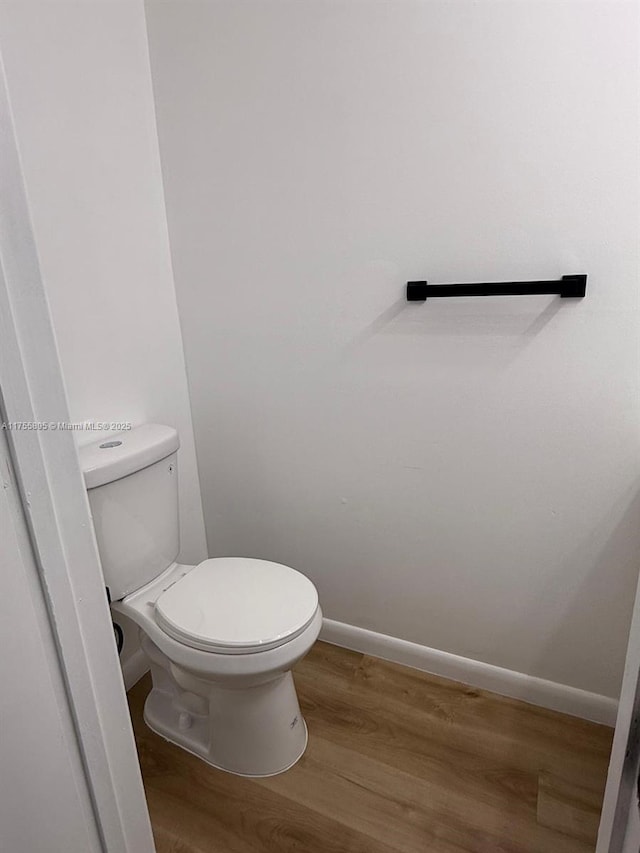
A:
237,605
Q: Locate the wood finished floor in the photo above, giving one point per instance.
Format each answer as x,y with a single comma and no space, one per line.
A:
398,762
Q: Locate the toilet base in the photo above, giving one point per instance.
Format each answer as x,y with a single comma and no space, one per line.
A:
249,731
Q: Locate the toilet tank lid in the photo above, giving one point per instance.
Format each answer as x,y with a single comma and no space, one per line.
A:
124,453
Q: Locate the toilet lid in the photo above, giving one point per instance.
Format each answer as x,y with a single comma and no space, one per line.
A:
236,604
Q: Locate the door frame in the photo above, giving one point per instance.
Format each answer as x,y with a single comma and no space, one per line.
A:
56,510
624,764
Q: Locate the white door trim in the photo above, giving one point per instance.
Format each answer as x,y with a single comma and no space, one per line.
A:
57,512
38,743
620,794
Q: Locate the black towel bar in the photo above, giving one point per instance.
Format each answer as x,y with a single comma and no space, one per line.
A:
569,286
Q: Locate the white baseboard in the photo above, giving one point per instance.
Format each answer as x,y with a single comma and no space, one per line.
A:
134,668
506,682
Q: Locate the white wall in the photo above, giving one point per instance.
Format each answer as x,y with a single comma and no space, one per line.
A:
460,474
80,89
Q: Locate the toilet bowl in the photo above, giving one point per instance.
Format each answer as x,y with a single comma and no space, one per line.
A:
234,705
221,637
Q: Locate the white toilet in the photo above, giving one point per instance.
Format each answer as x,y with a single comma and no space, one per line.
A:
222,636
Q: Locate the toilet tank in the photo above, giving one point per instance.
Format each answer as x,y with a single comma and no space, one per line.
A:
132,483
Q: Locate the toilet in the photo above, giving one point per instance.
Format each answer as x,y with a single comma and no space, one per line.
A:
221,637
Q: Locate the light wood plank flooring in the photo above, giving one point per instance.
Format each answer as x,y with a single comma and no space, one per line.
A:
398,762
